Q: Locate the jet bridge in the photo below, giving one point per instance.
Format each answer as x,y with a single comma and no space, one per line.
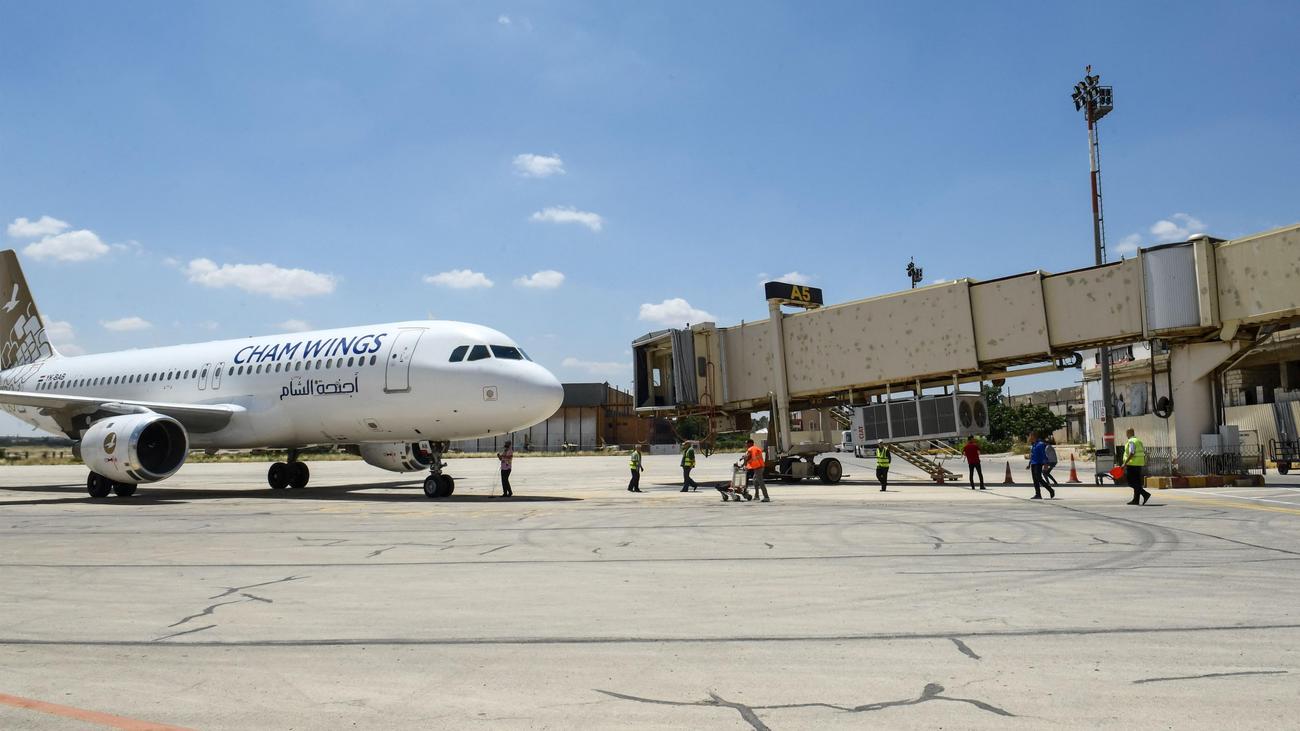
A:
1208,299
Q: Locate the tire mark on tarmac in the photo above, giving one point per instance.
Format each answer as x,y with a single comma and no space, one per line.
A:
628,640
1211,675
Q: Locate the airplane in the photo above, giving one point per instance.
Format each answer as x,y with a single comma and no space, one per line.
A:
399,391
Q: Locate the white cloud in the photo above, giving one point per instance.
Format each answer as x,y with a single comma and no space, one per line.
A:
459,279
1128,245
569,214
294,326
795,278
1178,227
597,367
545,279
63,337
80,245
674,312
538,166
22,228
267,279
126,324
503,20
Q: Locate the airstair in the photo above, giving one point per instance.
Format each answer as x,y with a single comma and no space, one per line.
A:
920,455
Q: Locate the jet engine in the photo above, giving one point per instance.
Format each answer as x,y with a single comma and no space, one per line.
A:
397,456
135,448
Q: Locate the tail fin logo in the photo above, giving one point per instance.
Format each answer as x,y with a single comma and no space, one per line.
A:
22,332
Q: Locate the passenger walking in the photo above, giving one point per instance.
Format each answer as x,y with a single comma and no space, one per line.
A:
507,457
882,466
972,452
1135,462
754,467
688,464
1048,477
1038,458
635,464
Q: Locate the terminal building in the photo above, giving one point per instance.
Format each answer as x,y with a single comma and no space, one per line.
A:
1260,393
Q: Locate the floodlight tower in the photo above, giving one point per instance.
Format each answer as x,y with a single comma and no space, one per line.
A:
1096,101
914,272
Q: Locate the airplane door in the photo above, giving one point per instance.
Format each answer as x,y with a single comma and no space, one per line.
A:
203,379
397,377
216,375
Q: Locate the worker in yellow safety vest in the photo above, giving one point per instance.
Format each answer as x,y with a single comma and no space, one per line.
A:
882,466
688,464
1135,462
635,463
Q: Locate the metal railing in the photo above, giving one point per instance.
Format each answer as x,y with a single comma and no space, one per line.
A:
1168,461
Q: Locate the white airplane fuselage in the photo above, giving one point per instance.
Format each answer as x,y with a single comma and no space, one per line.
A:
392,382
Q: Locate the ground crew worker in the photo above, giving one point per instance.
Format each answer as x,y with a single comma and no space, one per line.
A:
1038,458
507,456
882,466
688,464
1135,461
635,464
754,466
972,452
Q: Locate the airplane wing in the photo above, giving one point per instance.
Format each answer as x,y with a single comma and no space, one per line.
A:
75,413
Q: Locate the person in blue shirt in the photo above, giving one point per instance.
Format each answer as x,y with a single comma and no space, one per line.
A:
1038,458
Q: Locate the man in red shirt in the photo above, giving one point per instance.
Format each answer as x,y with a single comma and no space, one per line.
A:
972,452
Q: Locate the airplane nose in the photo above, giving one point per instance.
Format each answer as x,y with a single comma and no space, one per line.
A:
544,393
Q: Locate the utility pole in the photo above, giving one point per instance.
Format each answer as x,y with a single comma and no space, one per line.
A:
1096,102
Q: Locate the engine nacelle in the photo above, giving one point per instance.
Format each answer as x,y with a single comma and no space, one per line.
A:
135,448
397,456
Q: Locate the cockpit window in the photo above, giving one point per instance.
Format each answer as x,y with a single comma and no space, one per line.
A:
525,354
507,352
458,354
478,352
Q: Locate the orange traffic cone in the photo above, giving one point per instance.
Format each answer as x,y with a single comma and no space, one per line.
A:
1074,475
1008,480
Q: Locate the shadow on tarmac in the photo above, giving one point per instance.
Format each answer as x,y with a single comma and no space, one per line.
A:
149,495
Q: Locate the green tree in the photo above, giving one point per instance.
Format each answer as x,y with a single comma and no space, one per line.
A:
692,427
1016,422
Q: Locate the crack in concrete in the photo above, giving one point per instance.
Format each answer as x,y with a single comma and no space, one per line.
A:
769,545
1211,675
207,611
378,551
964,648
749,713
186,632
492,550
236,589
938,542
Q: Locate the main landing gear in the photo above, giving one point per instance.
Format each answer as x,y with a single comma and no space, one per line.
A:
437,484
99,486
288,474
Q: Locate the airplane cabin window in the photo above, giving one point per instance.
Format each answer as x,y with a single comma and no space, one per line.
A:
231,372
373,359
350,362
297,366
458,354
506,352
338,363
318,365
327,363
478,352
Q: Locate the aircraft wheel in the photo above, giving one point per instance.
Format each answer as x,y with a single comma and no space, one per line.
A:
432,486
98,485
446,486
124,489
299,474
830,471
277,476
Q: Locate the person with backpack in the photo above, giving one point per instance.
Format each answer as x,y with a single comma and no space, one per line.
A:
1048,479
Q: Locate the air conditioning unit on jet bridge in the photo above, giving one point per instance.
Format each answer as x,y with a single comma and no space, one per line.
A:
916,419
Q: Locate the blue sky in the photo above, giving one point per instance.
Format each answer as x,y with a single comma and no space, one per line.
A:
227,169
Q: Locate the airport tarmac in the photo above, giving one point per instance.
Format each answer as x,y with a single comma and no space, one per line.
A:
212,602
